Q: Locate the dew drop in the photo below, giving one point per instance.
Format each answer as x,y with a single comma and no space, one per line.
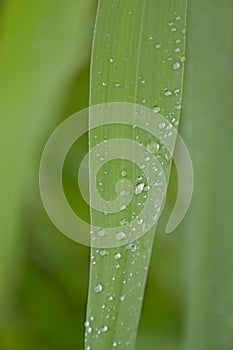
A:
156,109
173,29
152,147
182,59
123,222
89,330
178,41
177,49
117,84
86,324
122,298
143,81
161,125
120,236
104,83
123,173
101,233
139,188
157,46
111,60
104,329
132,247
167,93
176,65
98,288
117,256
123,207
103,252
146,188
178,106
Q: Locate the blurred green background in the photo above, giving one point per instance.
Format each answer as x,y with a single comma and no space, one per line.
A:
44,77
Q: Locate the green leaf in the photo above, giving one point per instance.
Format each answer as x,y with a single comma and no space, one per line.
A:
138,57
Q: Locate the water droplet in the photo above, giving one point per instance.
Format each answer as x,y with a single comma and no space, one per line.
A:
101,233
156,109
167,92
139,188
170,24
132,247
176,65
177,49
117,256
104,329
114,344
157,46
89,330
152,147
120,235
176,91
122,298
98,288
140,221
123,173
104,83
161,125
123,207
173,29
182,59
178,18
178,106
123,222
143,81
183,31
86,324
111,60
103,252
146,188
117,84
178,41
144,101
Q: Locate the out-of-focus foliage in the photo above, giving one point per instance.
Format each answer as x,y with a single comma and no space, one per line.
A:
44,46
44,77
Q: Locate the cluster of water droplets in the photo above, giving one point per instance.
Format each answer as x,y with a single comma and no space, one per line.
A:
131,280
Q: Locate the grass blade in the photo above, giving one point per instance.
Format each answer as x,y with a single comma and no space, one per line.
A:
138,55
